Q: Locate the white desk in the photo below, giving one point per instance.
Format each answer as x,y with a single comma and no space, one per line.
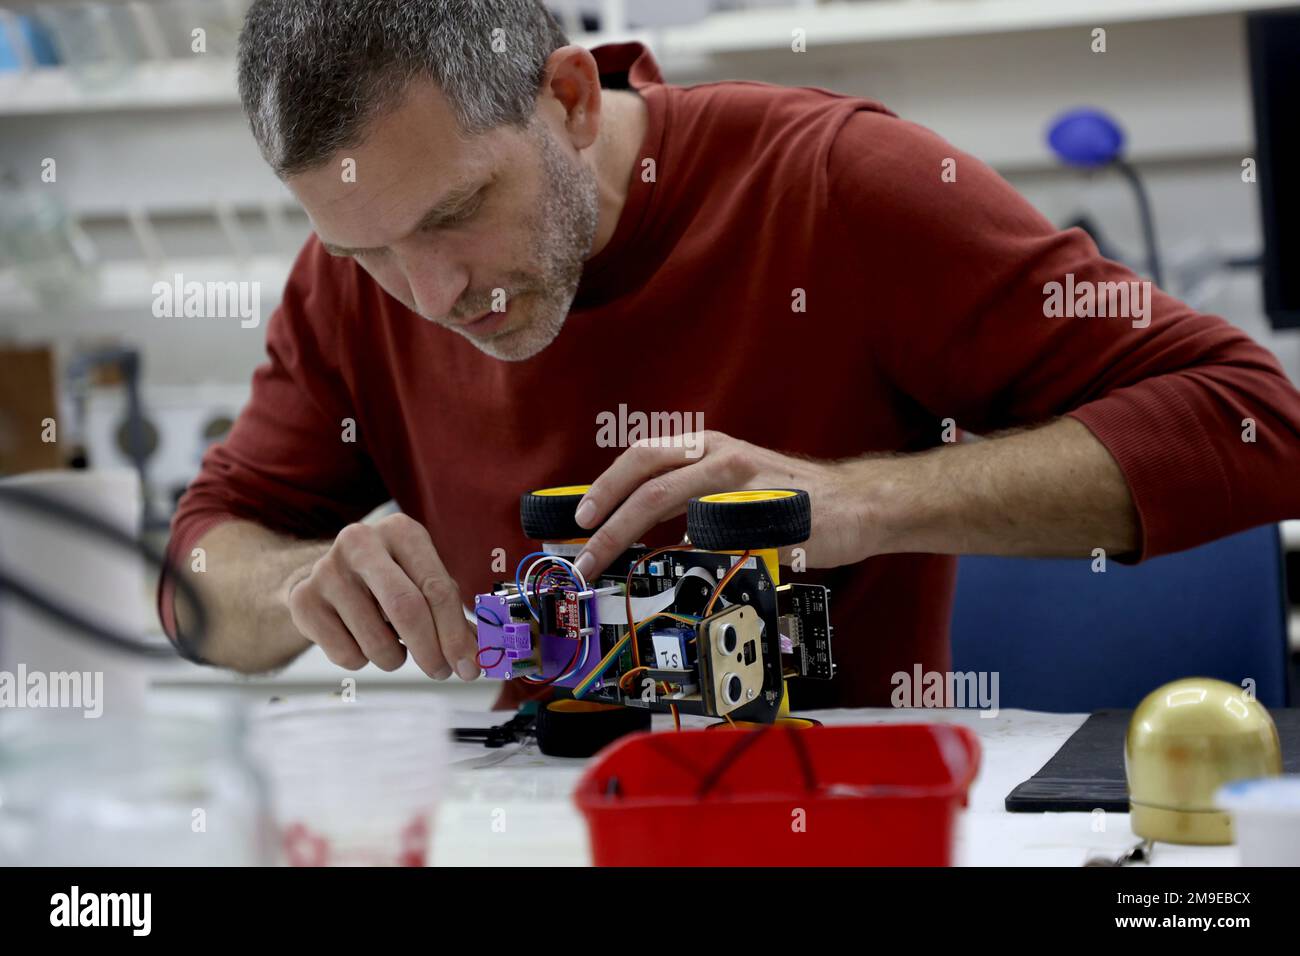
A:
512,807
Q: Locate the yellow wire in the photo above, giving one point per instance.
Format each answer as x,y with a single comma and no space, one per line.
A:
670,614
729,720
677,721
590,679
600,668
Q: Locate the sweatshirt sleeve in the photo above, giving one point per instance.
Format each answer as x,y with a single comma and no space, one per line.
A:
290,463
980,313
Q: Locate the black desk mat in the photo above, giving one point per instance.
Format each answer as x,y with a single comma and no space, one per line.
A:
1087,773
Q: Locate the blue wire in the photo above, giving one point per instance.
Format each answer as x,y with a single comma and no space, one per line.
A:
520,588
523,593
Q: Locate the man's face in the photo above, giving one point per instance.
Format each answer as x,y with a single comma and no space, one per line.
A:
454,227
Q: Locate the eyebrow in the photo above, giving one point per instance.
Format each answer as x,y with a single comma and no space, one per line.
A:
441,211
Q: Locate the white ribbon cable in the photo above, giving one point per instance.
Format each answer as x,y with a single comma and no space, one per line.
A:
612,608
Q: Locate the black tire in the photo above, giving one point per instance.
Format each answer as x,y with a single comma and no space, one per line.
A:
547,514
580,728
749,520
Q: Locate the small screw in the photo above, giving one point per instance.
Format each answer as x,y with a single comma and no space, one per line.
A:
744,596
750,693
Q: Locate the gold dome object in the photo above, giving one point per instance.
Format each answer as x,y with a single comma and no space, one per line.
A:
1187,739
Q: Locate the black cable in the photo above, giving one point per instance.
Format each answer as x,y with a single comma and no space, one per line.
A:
747,740
729,757
25,499
1147,220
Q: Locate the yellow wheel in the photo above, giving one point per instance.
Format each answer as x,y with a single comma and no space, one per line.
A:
798,723
749,520
547,514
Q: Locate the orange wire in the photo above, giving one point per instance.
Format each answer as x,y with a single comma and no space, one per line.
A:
661,686
629,674
627,593
726,579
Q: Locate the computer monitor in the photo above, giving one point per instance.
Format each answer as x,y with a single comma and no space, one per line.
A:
1274,40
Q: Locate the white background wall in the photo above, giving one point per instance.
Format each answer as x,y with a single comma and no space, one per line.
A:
1179,86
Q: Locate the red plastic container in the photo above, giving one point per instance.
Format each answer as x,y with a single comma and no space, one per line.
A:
873,795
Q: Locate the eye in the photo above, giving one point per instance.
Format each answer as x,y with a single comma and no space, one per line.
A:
464,214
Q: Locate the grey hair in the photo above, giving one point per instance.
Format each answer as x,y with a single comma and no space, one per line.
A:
314,73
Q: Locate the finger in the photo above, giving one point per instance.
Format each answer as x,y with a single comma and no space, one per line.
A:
403,607
454,641
317,621
659,499
357,609
630,470
367,581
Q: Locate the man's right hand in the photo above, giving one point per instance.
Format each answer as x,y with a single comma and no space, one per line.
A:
380,591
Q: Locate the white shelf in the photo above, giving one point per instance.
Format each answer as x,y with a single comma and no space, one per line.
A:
683,51
872,21
128,286
174,84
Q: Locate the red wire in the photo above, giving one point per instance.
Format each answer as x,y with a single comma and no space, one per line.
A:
478,658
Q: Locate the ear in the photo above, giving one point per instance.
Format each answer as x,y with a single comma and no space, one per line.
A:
571,87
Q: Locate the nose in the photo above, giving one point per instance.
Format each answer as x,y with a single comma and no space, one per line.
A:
436,278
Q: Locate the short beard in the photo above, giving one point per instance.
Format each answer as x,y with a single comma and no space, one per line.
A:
562,233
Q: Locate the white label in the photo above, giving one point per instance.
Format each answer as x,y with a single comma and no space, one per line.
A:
668,652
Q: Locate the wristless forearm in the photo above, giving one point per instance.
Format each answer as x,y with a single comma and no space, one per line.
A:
246,574
1049,491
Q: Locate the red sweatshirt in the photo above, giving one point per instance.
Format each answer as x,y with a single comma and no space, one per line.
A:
924,299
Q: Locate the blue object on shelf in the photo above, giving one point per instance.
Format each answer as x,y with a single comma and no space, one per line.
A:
1086,137
38,42
1063,638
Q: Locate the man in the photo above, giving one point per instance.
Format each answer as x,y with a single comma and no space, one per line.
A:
516,238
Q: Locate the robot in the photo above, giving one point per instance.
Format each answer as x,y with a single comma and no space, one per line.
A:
703,628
